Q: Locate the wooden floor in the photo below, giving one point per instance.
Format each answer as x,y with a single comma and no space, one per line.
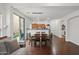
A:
37,50
58,47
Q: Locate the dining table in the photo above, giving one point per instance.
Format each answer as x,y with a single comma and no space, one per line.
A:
33,38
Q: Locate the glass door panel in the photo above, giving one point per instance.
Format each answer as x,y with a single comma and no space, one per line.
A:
22,28
16,31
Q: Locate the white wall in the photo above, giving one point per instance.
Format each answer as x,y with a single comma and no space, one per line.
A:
72,30
73,35
27,25
56,27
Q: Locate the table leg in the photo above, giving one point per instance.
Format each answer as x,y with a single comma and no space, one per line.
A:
40,42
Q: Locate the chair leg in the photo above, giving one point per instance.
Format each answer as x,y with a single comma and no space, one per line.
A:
43,43
35,44
32,43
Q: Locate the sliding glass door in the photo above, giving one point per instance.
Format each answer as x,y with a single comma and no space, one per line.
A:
16,31
18,28
22,28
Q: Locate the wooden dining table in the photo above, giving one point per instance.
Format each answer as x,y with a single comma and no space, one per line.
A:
33,38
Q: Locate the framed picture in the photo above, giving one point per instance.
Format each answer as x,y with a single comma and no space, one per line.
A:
63,27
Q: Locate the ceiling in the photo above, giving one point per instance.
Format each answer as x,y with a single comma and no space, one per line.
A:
45,11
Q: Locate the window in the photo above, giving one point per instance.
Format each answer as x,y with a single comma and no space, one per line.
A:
18,27
22,28
16,31
0,25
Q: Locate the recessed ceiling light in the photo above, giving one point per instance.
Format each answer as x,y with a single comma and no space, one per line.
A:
37,12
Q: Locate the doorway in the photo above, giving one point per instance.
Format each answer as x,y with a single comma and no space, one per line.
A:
22,28
18,28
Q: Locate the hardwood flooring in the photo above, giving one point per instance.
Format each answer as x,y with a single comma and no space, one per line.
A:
58,47
37,50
